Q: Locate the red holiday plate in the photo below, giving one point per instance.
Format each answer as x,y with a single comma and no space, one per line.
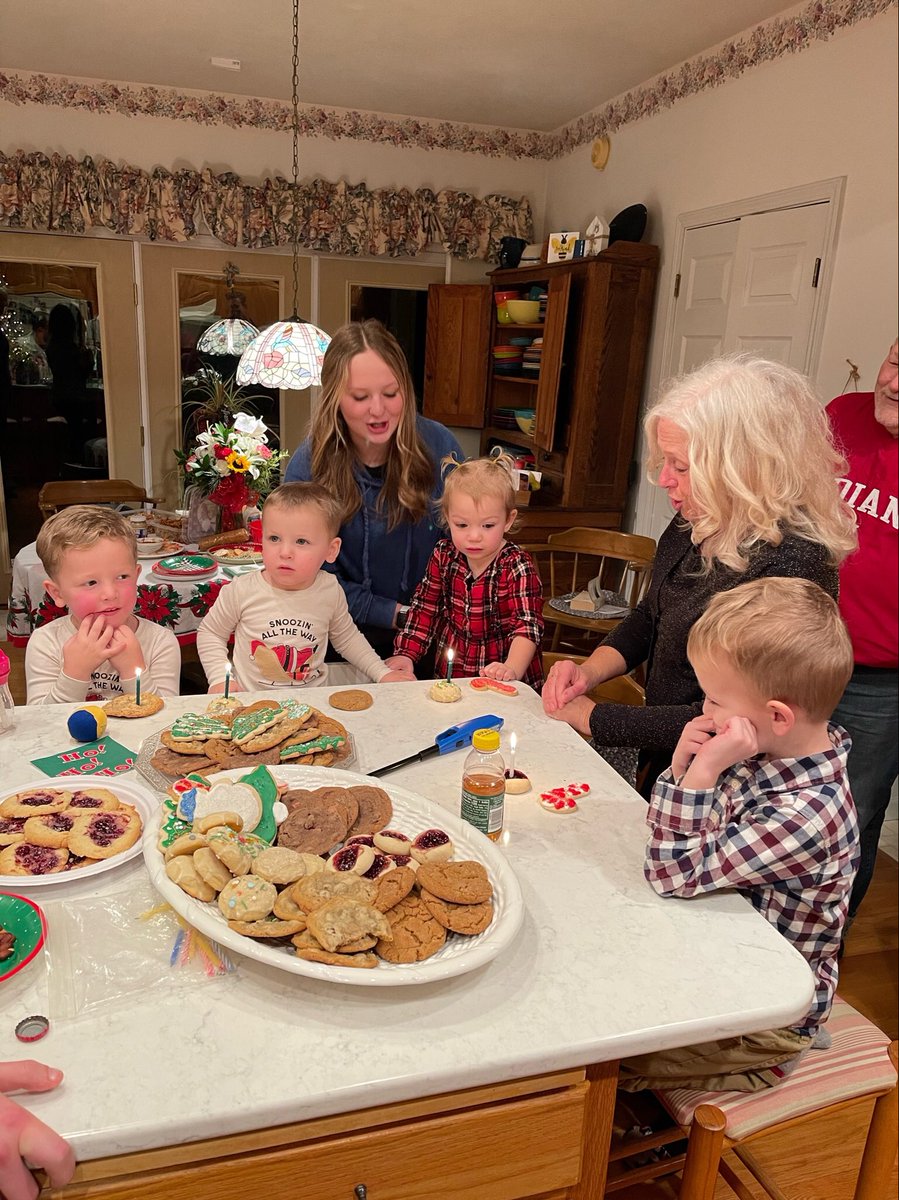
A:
185,566
25,921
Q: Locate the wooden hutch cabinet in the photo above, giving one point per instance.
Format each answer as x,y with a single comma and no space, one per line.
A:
586,393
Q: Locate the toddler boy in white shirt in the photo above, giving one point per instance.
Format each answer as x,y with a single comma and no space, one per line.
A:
283,617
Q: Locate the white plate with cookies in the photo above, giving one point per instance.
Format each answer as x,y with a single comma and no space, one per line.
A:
412,814
117,794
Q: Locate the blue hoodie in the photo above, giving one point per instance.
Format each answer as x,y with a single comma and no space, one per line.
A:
380,569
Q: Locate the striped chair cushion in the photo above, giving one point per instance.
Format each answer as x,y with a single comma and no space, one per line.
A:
856,1064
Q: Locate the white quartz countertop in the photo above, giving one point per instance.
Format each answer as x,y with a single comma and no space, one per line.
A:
601,968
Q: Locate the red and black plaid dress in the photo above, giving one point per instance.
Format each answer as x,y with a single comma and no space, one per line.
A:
477,617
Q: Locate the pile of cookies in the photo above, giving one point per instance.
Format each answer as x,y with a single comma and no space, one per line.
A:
232,735
44,831
379,896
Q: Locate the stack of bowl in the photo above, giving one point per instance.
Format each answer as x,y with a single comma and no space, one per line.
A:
500,297
507,360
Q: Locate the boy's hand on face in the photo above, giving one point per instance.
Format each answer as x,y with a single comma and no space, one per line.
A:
736,741
694,736
125,653
88,647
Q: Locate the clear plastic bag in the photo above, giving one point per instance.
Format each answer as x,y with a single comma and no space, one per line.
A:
104,951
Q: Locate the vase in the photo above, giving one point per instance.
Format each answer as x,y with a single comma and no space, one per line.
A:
232,520
203,516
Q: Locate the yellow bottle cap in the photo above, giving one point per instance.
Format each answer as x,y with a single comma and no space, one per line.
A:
485,739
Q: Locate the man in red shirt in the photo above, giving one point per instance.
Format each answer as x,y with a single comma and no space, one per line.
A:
866,425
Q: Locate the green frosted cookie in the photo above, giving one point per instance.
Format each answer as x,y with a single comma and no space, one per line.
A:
194,727
297,750
246,726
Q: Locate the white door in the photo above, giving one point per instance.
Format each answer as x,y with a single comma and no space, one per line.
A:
776,271
746,284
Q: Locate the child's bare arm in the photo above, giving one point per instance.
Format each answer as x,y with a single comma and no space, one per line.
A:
520,656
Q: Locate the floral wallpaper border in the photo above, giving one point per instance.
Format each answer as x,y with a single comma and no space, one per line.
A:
60,194
789,34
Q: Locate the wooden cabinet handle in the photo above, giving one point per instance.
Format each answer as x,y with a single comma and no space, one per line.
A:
360,1191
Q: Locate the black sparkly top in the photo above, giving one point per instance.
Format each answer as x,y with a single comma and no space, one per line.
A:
656,632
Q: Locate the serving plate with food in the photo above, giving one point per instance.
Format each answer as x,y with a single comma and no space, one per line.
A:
23,930
156,547
364,885
234,556
55,830
185,566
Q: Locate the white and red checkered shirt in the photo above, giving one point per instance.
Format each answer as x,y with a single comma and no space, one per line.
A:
783,832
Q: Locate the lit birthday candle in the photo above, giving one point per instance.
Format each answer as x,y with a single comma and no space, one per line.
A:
450,655
137,686
227,680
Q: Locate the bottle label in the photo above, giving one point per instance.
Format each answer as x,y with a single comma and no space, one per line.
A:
483,812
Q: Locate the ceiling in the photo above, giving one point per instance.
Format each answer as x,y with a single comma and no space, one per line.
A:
511,63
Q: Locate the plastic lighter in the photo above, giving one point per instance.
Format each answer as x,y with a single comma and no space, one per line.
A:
454,738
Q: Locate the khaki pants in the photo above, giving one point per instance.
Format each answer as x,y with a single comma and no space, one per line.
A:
741,1064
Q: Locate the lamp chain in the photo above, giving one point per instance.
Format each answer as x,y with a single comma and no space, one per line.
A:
295,223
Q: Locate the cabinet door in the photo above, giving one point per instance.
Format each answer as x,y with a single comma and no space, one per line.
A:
457,353
547,401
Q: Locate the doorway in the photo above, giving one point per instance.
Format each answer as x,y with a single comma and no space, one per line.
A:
91,282
404,311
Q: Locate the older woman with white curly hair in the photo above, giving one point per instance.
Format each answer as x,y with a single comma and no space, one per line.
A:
743,448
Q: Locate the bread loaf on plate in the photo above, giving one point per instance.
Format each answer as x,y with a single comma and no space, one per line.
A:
232,537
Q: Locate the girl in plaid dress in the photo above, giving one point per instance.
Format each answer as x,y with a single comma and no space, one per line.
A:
481,595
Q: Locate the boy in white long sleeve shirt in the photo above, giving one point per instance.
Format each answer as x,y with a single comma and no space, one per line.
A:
283,617
90,556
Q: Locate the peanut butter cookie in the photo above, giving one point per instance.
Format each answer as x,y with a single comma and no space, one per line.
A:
459,918
463,882
416,934
352,700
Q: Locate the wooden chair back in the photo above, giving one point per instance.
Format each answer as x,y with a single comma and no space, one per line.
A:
621,562
61,493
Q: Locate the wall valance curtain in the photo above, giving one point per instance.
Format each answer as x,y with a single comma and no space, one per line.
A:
60,194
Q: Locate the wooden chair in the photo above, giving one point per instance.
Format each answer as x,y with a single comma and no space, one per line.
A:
60,493
859,1067
621,562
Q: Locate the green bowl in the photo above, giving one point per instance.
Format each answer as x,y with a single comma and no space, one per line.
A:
25,920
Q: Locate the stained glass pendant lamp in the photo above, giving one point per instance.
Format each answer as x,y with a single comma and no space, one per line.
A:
230,335
289,353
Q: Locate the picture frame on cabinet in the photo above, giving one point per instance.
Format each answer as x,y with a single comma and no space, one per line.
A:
561,246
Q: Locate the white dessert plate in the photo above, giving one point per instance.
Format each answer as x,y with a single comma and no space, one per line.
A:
412,814
128,791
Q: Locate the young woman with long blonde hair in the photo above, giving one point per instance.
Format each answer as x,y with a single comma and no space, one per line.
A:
372,451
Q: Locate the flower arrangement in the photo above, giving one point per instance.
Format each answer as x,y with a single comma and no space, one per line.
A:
232,463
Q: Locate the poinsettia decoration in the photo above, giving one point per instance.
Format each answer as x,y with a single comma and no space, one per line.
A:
158,603
48,611
204,596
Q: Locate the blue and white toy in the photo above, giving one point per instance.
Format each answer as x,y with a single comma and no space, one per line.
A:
87,724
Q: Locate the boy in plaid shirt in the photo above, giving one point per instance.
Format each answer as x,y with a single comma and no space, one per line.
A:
757,799
481,595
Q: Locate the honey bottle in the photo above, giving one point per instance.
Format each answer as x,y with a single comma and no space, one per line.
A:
484,784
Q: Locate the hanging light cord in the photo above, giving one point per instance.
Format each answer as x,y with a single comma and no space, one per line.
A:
294,221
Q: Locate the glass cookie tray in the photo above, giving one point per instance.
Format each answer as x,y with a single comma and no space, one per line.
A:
162,783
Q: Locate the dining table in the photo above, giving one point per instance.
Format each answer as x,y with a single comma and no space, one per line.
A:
494,1082
177,604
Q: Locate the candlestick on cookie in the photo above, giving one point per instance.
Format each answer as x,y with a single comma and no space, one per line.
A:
137,686
450,655
227,680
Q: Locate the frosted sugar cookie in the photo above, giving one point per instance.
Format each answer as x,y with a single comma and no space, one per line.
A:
444,691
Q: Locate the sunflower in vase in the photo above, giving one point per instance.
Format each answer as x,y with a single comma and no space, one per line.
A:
232,464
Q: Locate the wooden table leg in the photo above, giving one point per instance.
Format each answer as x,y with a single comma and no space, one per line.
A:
603,1080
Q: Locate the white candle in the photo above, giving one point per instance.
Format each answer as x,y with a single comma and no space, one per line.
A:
450,655
137,686
227,680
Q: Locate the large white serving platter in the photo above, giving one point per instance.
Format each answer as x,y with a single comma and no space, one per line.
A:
128,791
412,814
